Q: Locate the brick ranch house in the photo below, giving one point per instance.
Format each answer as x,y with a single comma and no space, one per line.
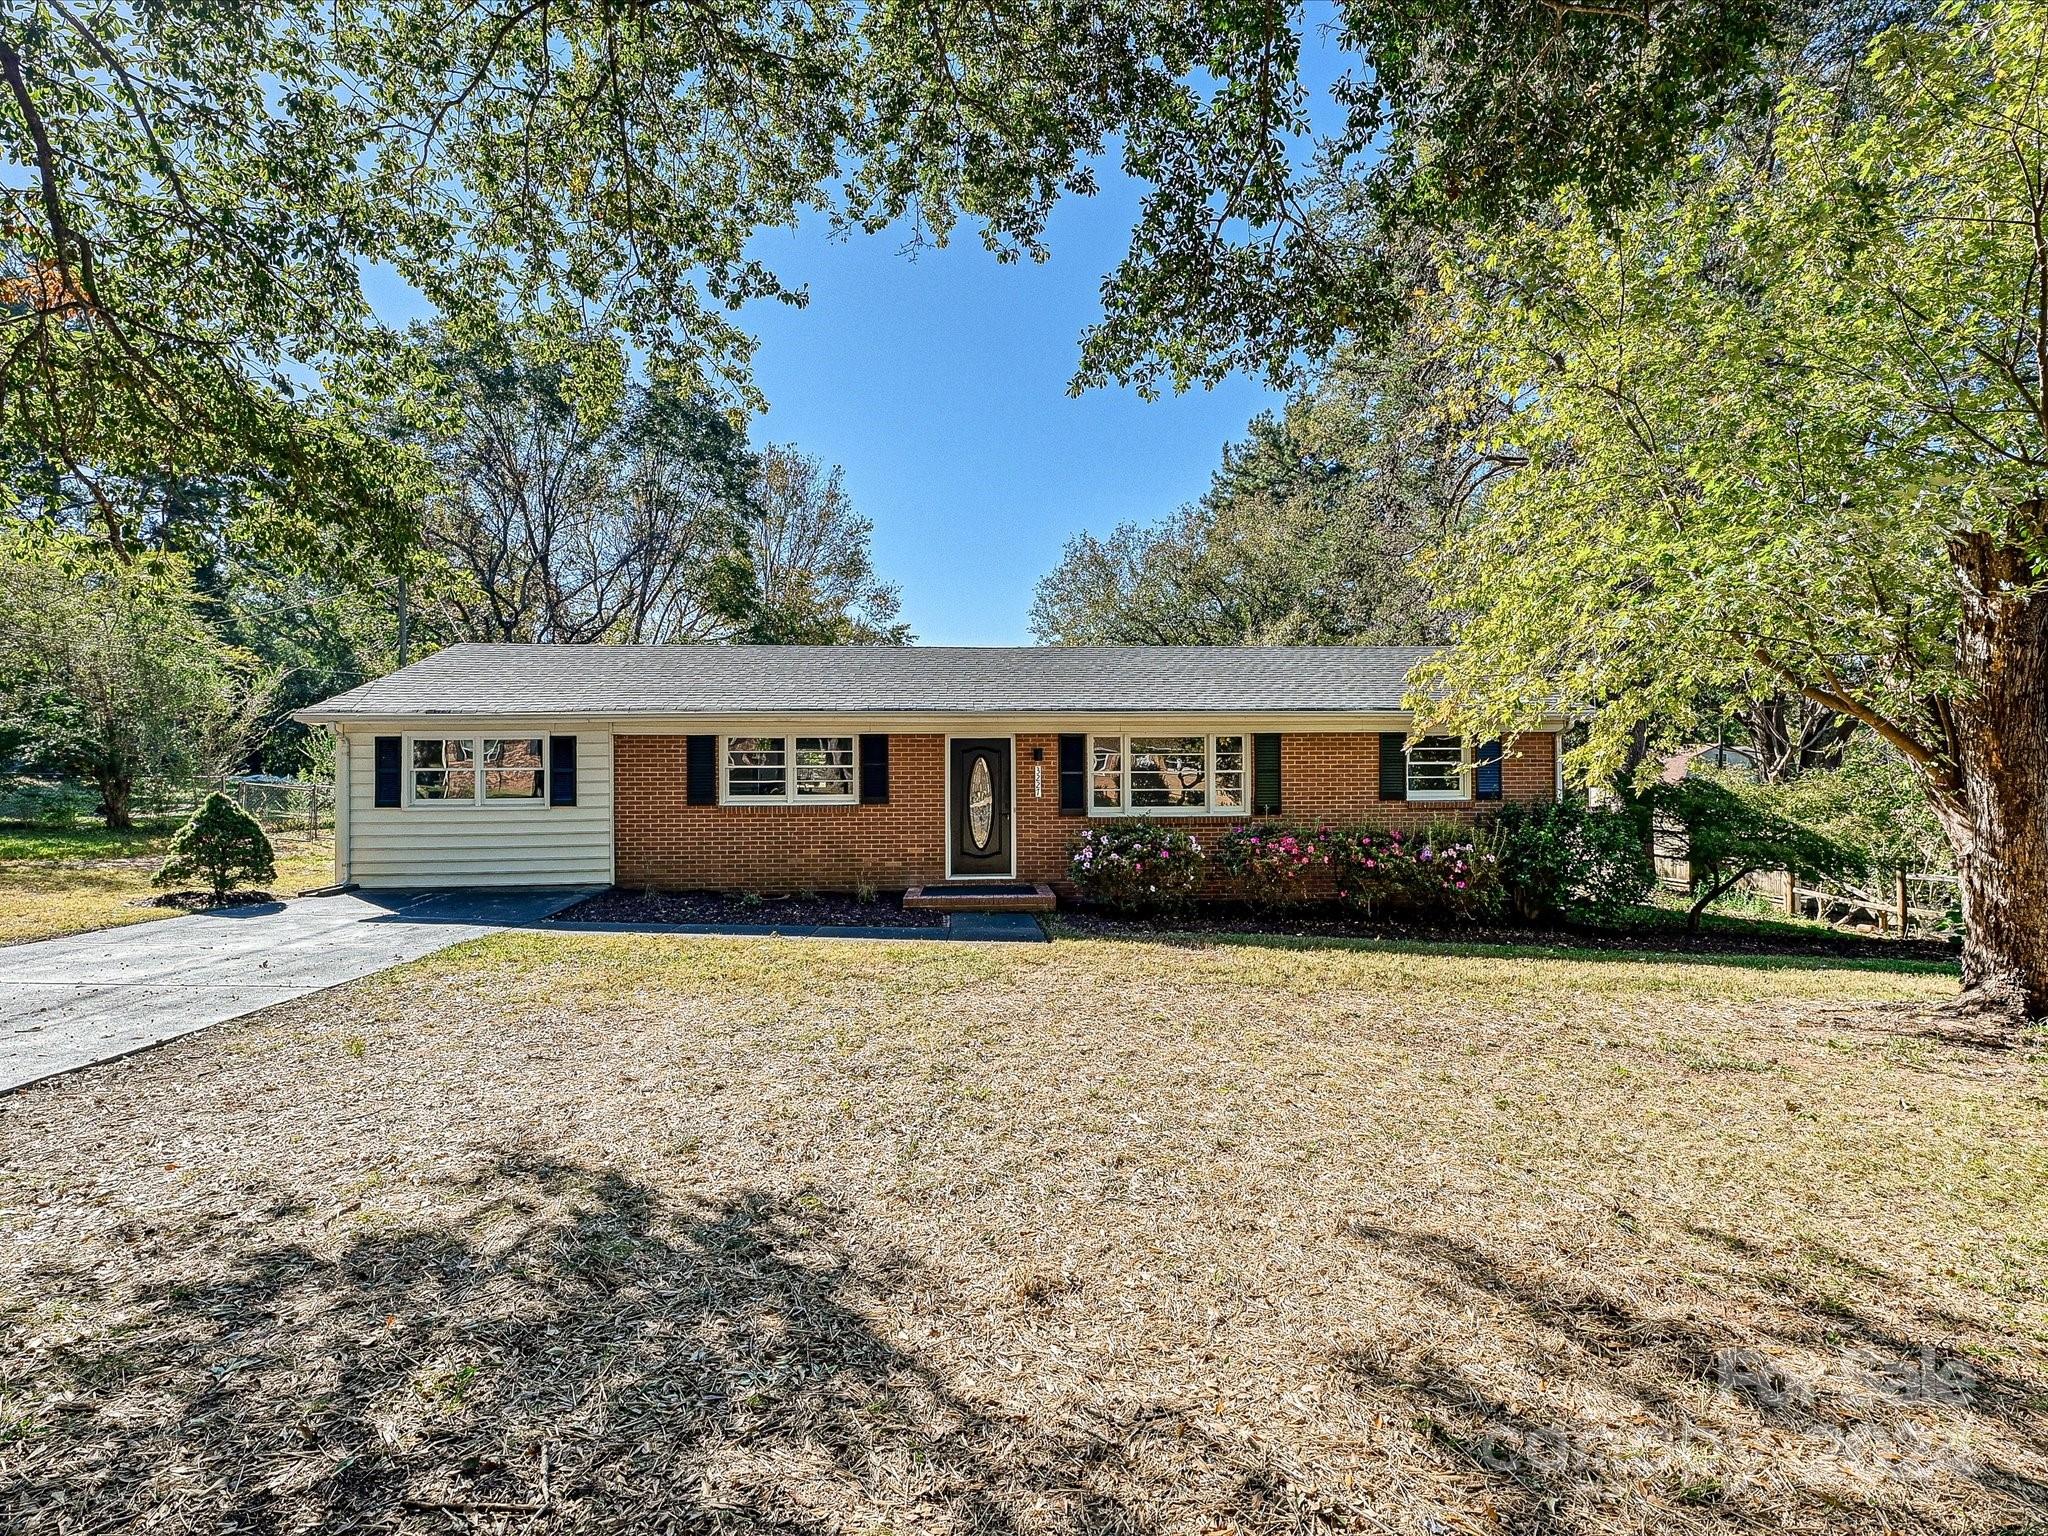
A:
781,768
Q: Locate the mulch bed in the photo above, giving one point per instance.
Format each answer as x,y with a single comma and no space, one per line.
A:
206,901
1326,923
803,911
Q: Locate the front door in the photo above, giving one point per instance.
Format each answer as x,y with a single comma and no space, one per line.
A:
979,843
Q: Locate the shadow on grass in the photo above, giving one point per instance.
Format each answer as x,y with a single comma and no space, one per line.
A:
1883,1392
1647,952
565,1349
571,1351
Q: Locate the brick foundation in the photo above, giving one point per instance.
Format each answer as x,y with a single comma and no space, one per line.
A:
665,843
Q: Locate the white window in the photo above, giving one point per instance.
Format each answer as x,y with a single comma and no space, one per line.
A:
789,770
473,770
1163,775
1436,768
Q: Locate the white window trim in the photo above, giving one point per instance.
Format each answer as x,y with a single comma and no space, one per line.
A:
478,798
1441,796
1124,808
789,796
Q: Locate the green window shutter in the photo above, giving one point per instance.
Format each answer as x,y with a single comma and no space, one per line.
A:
1393,765
874,770
389,783
1266,775
700,757
1073,775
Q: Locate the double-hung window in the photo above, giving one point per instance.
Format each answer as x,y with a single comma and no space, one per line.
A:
478,770
1166,775
1436,768
789,770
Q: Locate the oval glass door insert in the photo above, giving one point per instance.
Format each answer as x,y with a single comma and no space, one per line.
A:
981,805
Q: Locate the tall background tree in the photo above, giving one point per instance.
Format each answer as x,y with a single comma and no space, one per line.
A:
811,561
569,501
1309,530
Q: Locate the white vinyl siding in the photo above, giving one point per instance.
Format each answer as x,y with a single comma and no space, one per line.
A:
523,841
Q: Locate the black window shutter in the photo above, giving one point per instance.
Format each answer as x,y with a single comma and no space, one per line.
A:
1486,771
701,760
1266,775
1393,765
874,770
389,786
1073,775
561,770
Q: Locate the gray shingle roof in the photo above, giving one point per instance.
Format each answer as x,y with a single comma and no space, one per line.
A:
603,681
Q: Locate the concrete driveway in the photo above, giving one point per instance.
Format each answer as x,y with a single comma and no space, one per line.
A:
67,1003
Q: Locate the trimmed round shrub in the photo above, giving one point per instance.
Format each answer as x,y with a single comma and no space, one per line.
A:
1141,867
1272,868
221,845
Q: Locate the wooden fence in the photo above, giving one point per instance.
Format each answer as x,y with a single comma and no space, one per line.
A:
1895,905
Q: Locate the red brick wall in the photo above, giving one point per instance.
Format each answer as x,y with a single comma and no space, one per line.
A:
1337,778
664,842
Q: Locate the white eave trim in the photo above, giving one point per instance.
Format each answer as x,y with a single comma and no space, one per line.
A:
901,723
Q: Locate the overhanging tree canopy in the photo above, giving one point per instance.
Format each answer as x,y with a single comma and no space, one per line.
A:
198,190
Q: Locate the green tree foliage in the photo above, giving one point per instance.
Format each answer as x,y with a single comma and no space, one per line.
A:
1870,803
221,844
202,189
1785,431
108,673
1734,830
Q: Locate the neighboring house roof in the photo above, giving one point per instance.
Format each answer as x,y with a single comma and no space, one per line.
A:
602,681
1712,755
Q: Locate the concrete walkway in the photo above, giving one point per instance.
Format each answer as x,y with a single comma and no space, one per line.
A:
67,1003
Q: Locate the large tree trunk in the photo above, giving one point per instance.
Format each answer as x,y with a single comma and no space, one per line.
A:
114,797
1995,811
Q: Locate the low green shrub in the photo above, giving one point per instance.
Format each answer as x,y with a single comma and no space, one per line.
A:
1272,867
1148,868
222,844
1570,859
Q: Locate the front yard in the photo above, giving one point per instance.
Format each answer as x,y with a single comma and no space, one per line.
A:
54,882
608,1233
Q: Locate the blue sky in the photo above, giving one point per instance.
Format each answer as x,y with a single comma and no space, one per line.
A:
939,382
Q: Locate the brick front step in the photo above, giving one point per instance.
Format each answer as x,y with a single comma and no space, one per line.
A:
1009,896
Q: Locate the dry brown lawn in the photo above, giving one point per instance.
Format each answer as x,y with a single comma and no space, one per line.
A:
607,1233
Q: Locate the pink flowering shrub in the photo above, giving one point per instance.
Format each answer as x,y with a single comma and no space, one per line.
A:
1272,867
1137,866
1442,870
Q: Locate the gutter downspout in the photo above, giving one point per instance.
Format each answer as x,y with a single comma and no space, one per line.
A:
344,752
